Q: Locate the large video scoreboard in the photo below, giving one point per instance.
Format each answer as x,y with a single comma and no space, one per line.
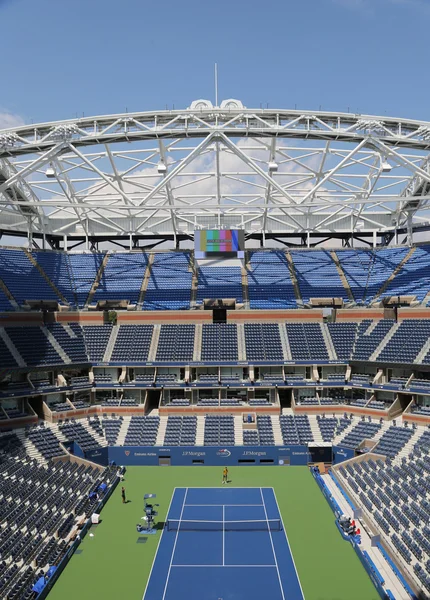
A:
219,242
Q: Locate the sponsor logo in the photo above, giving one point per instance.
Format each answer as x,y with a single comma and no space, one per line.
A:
144,454
224,452
253,453
127,452
189,453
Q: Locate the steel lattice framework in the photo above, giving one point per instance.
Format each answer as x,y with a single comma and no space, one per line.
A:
167,173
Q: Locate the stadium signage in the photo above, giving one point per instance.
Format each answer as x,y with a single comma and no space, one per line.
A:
188,453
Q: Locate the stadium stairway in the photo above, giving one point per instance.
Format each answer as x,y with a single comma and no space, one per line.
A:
285,342
57,432
200,431
59,350
159,441
316,431
397,270
407,449
198,332
384,342
123,431
277,433
294,280
8,294
111,343
30,448
392,582
342,276
423,353
154,343
97,280
241,345
145,282
12,348
339,437
328,342
238,430
245,290
45,277
100,439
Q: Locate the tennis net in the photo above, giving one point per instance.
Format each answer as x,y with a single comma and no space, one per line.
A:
194,525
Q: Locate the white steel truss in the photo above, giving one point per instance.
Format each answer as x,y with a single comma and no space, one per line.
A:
171,172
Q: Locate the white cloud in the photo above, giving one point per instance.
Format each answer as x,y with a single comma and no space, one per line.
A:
9,120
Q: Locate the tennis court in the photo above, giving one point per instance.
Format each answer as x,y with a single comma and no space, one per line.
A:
223,543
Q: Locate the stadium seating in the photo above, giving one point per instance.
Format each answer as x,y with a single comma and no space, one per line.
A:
219,430
269,281
296,429
122,277
263,342
57,267
180,431
34,347
22,278
39,513
83,272
362,431
132,343
317,275
96,339
142,431
306,341
176,343
367,342
219,282
169,286
219,342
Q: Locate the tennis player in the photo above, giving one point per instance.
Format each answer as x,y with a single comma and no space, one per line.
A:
225,475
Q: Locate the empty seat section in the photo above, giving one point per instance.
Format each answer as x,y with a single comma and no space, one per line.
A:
180,431
57,268
317,275
219,430
34,346
369,336
263,342
343,337
406,342
169,285
356,265
414,276
96,340
306,341
219,342
122,277
142,431
132,343
269,281
83,271
384,263
176,343
219,282
71,341
22,278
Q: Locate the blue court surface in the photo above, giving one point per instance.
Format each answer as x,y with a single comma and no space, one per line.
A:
223,544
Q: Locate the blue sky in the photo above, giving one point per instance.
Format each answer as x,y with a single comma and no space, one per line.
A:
60,57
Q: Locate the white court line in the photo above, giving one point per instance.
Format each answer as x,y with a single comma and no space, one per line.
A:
158,545
239,505
174,545
289,547
273,546
223,536
224,566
